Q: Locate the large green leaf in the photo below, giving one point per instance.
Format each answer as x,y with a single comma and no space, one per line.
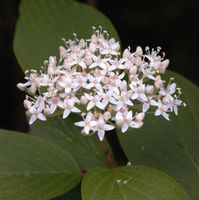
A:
32,168
74,194
130,183
87,151
170,146
43,23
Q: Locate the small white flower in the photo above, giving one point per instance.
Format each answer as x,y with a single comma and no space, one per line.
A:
95,82
88,123
69,106
102,127
110,47
123,99
162,109
107,97
146,104
66,84
99,62
36,113
138,92
107,86
93,101
52,65
124,120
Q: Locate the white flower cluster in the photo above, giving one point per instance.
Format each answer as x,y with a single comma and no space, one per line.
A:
106,87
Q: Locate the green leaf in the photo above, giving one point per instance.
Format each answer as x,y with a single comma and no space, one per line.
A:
170,146
74,194
86,150
130,183
32,168
43,23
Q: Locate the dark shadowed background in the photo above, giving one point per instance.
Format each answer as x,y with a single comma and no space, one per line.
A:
171,24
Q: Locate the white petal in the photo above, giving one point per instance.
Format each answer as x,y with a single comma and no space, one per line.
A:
121,75
119,116
76,110
92,47
93,123
113,100
125,128
93,65
101,120
172,88
89,86
104,102
166,116
101,134
134,96
102,65
108,127
61,105
158,112
67,89
90,105
143,96
41,116
81,123
120,105
145,107
99,87
135,124
87,96
86,129
32,119
66,113
82,64
100,105
175,108
61,83
129,115
129,102
112,67
84,85
53,107
154,103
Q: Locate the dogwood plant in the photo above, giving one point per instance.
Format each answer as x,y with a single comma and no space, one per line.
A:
106,87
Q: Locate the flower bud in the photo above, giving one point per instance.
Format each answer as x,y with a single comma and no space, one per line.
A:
163,66
157,65
51,65
94,39
140,116
158,82
149,89
47,111
82,43
21,86
133,69
138,61
165,99
138,51
92,47
27,104
107,115
123,85
62,52
88,61
32,89
126,53
83,100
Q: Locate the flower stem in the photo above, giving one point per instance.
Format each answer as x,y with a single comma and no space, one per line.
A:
108,153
